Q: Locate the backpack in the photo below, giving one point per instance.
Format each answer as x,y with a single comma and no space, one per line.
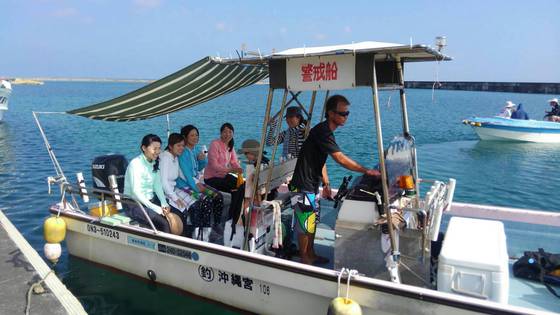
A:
539,266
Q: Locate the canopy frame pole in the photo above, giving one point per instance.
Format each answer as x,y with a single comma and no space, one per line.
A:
404,111
274,149
54,160
258,169
384,176
311,107
308,125
406,129
168,126
294,97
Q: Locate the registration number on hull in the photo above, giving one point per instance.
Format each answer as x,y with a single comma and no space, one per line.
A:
98,230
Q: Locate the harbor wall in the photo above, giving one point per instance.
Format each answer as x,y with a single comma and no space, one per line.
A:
515,87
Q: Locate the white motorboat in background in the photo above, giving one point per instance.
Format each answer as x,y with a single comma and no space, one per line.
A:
506,129
5,91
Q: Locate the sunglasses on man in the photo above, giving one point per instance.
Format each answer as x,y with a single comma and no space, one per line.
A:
343,114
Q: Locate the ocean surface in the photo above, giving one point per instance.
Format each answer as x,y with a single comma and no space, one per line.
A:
507,174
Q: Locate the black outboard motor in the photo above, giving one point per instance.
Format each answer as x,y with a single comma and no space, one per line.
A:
104,166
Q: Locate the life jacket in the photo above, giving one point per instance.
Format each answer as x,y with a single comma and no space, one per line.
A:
539,266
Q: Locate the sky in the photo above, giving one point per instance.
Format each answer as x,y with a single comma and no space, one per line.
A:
511,41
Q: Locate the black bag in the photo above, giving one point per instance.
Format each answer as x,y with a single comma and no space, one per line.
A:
539,266
203,209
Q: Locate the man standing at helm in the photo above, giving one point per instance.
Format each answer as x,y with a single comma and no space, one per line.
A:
311,170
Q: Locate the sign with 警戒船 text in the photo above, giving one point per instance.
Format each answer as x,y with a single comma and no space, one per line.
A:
334,72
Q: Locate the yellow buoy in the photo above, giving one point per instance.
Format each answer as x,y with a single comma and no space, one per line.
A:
344,306
175,223
54,230
105,209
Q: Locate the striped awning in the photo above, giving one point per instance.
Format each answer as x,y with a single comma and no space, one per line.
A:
200,82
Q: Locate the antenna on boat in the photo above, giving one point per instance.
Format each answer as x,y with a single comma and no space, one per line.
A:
441,41
243,48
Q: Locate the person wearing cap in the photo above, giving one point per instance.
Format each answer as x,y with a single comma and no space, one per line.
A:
508,109
554,113
311,170
291,138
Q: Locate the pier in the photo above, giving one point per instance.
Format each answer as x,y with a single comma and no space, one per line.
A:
513,87
20,268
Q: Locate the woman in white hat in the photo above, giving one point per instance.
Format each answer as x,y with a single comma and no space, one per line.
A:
554,113
508,109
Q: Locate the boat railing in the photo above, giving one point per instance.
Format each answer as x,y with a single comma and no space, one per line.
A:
101,194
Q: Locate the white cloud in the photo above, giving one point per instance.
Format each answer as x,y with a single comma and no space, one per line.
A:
320,36
147,4
65,12
221,26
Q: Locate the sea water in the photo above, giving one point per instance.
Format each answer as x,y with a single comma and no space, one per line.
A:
507,174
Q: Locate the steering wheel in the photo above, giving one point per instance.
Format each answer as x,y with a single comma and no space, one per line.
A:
342,190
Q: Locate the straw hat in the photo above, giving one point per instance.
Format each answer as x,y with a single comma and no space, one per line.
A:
509,104
249,145
554,100
175,223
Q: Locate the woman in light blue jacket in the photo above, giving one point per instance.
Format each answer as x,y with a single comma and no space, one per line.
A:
143,182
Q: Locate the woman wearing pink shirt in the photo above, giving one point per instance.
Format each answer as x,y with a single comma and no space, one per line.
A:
222,163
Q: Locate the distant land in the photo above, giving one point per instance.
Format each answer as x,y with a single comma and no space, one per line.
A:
514,87
37,80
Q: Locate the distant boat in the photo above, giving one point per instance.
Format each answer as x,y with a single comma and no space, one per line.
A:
507,129
5,91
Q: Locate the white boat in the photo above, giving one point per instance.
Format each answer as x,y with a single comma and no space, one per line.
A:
5,91
394,274
507,129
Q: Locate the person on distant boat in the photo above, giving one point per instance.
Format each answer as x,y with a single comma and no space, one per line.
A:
311,170
507,110
223,170
554,113
191,162
143,182
291,138
520,113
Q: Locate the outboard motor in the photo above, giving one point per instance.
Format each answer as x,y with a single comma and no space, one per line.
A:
104,166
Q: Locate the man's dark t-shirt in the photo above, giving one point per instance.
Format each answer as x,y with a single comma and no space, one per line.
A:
312,156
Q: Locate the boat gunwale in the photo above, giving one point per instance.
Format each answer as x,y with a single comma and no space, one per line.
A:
408,291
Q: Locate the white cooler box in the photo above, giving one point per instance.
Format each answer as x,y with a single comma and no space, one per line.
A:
261,230
474,260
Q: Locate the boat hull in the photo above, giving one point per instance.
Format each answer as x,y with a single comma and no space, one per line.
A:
505,129
249,281
494,134
5,91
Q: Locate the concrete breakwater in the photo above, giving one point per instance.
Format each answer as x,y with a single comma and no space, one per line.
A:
515,87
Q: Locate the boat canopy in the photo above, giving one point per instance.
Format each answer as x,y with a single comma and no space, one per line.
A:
407,53
298,69
202,81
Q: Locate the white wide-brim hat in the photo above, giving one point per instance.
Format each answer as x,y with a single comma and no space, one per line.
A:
554,100
509,104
